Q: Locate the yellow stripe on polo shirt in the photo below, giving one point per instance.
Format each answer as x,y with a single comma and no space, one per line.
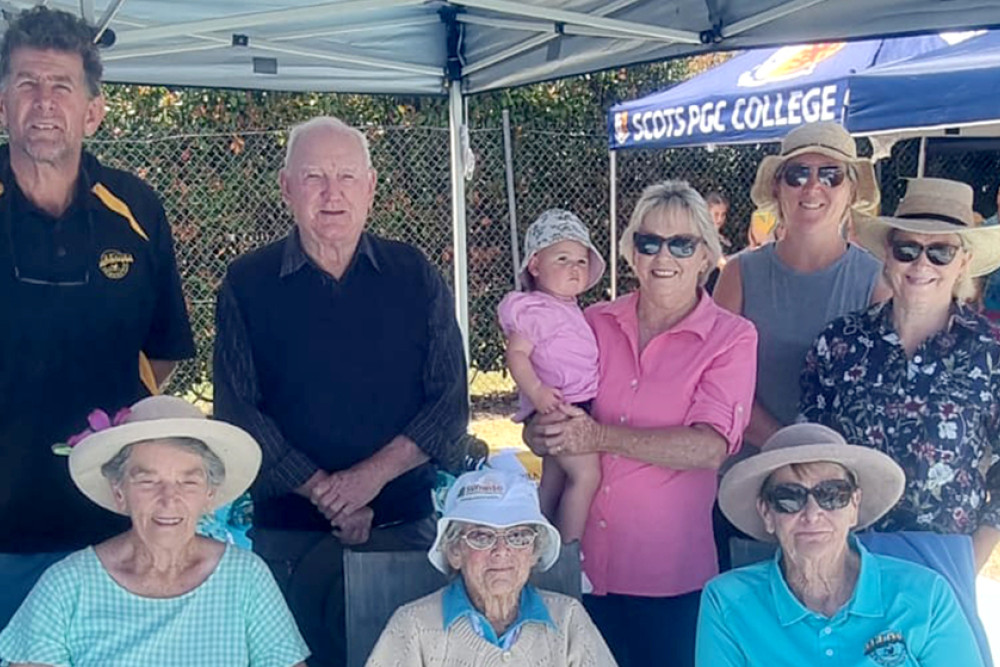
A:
119,207
146,374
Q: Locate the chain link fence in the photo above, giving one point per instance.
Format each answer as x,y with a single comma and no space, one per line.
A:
222,199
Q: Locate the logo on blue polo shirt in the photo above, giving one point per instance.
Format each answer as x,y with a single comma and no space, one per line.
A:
887,649
115,263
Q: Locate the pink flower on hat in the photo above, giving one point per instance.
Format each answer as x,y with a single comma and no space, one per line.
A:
97,420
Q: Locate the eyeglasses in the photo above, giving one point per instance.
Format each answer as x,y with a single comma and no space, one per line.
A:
481,539
681,246
797,175
830,494
939,254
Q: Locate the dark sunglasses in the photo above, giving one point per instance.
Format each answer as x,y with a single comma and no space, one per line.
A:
939,254
680,246
830,494
797,175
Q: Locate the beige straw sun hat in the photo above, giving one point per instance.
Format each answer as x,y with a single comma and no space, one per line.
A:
936,206
160,417
829,139
880,479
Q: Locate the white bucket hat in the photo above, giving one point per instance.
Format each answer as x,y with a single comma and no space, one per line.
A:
499,499
880,479
159,417
826,138
936,206
551,227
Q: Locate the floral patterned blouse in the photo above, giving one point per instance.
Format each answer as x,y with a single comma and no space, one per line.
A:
937,414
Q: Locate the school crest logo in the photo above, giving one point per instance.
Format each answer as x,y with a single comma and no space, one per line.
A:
115,264
789,62
887,649
621,127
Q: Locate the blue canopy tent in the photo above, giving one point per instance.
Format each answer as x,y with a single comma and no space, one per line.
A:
757,96
952,92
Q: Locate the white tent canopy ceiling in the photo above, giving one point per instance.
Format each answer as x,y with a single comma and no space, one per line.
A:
417,46
423,46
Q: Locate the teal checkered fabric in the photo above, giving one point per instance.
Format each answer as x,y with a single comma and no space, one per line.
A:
78,616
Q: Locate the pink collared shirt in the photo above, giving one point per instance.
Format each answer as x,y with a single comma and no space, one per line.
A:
649,531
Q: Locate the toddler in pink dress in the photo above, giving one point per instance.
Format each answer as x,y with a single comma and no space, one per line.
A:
552,353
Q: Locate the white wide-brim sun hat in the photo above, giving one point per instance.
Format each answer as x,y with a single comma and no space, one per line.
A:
880,479
159,417
497,498
936,206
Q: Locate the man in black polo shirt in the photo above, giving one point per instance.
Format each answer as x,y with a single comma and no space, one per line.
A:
339,351
93,315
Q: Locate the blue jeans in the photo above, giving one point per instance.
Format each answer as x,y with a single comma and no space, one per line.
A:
18,574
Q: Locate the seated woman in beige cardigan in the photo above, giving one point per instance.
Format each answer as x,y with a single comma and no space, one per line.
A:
492,533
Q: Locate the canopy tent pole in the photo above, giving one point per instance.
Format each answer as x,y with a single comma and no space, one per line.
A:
459,247
613,231
508,163
922,157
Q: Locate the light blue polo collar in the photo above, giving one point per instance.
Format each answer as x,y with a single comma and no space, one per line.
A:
455,604
866,600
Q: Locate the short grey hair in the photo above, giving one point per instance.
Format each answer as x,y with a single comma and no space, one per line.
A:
215,470
453,535
330,123
674,197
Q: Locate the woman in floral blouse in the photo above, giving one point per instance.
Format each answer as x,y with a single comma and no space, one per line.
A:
918,377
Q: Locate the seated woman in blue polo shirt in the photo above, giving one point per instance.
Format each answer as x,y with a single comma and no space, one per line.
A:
824,599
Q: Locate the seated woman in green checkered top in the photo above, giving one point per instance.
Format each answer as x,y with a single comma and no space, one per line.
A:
158,594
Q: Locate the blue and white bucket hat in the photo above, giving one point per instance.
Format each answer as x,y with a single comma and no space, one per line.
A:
498,498
551,227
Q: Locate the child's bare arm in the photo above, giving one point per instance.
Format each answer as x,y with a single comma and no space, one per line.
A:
545,399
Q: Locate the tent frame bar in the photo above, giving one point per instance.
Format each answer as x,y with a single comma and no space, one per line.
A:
625,28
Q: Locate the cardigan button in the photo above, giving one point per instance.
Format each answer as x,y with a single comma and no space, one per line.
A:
506,656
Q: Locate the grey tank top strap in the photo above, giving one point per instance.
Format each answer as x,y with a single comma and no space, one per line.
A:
790,309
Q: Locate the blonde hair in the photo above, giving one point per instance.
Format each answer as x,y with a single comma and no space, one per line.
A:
672,198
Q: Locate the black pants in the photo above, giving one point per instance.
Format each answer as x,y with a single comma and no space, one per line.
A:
309,568
647,632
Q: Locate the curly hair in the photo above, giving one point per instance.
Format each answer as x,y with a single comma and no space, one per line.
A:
52,29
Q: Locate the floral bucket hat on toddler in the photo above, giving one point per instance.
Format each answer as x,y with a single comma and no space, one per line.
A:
551,227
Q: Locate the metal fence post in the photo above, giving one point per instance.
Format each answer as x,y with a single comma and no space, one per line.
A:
508,160
460,245
613,196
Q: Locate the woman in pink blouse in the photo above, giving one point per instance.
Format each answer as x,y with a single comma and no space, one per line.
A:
676,382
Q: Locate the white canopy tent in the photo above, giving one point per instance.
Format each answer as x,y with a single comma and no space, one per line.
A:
437,47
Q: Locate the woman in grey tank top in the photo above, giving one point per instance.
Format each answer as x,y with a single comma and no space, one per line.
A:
792,288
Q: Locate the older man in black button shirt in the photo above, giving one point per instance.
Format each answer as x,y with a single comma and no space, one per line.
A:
90,300
339,351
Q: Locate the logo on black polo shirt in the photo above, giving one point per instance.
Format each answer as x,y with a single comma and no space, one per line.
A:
115,263
887,649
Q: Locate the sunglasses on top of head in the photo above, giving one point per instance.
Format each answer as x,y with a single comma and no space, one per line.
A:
830,494
939,254
680,246
797,175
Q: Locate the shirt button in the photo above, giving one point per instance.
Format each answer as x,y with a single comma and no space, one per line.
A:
827,631
829,652
634,383
60,252
506,656
622,419
607,489
916,359
602,523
